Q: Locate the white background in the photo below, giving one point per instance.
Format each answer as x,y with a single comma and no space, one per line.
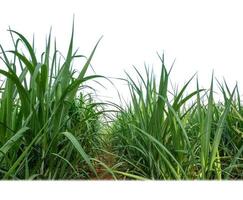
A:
201,35
120,190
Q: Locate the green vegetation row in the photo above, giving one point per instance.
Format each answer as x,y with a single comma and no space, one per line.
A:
52,126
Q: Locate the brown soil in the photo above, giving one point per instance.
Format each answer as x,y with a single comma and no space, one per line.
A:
103,174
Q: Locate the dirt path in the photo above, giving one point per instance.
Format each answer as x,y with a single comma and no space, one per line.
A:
109,160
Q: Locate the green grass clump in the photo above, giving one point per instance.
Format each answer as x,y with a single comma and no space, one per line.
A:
44,130
179,135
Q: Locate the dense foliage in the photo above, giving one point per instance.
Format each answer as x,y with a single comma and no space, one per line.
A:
52,128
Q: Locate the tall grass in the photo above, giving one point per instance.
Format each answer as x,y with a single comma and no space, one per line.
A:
179,135
51,127
43,129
